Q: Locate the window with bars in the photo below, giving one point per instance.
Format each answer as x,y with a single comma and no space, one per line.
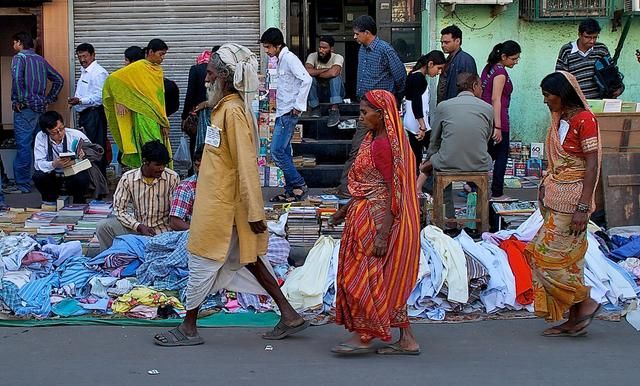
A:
541,10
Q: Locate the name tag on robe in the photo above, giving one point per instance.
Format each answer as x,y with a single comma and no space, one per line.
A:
213,136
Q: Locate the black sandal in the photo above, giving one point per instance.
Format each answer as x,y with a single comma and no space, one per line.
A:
284,198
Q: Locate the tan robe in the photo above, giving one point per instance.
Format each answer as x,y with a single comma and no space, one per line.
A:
228,191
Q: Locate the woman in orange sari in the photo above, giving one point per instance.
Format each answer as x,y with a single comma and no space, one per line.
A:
556,254
380,249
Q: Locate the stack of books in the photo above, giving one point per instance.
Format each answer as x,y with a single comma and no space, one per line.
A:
73,210
303,228
334,231
38,220
98,210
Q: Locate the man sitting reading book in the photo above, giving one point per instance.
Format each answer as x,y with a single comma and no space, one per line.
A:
57,163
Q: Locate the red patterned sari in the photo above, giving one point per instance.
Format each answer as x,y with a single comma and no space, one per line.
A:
372,291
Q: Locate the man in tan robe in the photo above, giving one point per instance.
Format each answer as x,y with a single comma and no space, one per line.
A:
228,236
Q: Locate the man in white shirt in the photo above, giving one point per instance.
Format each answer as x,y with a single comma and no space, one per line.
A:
87,101
53,140
293,87
325,67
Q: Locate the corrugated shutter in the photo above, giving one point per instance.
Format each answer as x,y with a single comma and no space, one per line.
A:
188,28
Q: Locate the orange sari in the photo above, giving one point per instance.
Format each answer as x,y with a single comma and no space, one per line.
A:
372,291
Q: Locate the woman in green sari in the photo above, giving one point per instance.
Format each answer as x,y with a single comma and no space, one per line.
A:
134,102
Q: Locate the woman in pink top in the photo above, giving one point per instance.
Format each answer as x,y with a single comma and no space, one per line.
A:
497,89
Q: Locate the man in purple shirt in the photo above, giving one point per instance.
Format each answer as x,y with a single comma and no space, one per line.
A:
29,99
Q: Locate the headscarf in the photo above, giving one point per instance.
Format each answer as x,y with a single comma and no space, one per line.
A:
203,57
404,194
243,64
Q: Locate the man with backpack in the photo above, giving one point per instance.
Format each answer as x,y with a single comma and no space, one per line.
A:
590,62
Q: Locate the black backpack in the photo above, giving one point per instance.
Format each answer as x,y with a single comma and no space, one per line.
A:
607,75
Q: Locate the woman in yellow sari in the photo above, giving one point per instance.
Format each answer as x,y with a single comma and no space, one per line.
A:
133,99
556,254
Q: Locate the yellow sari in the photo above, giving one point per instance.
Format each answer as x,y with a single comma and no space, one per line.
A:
556,255
140,88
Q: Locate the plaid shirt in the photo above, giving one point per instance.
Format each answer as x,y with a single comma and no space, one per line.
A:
380,68
183,198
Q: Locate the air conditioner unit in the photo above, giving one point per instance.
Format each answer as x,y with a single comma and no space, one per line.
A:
479,2
632,5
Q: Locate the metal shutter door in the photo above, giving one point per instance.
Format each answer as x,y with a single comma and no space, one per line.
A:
188,28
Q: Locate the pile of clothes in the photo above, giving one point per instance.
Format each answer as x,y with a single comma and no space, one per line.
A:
139,277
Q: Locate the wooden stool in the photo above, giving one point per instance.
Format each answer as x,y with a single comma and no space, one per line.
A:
442,179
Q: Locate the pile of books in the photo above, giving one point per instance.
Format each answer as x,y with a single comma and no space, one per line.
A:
334,231
303,228
97,211
307,161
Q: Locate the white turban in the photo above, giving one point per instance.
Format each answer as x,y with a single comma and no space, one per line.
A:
243,64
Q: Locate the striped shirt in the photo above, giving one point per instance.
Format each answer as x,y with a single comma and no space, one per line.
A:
29,72
380,68
582,66
151,202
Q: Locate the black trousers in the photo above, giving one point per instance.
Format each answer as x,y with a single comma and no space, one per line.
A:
50,185
94,122
499,153
418,147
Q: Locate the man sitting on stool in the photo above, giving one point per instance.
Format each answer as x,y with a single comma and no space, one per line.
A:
460,133
325,68
52,140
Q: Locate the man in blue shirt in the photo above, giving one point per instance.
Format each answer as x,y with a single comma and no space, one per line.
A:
29,99
379,68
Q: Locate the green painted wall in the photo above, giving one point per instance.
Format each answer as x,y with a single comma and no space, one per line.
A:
540,42
271,13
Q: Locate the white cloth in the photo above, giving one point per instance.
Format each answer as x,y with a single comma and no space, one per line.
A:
294,83
99,285
305,286
207,276
19,277
502,261
618,288
409,120
41,145
525,231
454,261
563,130
89,87
332,274
497,295
574,49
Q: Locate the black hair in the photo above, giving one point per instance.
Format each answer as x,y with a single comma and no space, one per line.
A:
273,36
557,84
86,47
590,26
134,53
435,56
24,38
454,31
328,39
466,80
215,48
155,45
155,151
197,155
508,48
365,23
49,120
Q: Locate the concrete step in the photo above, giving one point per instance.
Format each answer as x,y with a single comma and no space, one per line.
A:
322,176
326,151
316,128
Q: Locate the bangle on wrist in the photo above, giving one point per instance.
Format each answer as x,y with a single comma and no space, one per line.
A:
582,207
497,128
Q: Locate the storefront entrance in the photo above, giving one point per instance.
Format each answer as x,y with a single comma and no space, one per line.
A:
398,23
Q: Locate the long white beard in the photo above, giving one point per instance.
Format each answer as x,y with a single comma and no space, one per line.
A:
214,92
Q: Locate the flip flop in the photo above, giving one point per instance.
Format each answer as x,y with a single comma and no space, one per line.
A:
347,349
588,318
175,337
565,333
281,330
394,349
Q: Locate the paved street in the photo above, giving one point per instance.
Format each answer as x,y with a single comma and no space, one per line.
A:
482,353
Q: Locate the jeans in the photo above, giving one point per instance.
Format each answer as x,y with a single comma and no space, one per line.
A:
281,151
333,88
25,127
499,153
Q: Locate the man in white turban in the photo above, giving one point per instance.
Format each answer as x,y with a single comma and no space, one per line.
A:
228,238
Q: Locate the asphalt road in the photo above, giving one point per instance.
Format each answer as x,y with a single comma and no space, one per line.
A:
481,353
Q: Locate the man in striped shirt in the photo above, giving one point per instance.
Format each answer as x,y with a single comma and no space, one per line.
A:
29,99
579,58
148,190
